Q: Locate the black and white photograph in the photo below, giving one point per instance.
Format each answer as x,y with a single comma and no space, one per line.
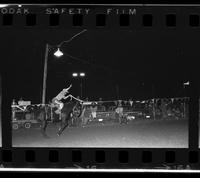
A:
113,87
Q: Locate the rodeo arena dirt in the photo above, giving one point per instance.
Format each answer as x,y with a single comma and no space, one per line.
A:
158,122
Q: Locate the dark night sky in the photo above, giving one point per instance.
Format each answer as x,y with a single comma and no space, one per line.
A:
164,58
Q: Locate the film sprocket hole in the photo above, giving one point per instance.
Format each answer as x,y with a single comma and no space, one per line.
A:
97,86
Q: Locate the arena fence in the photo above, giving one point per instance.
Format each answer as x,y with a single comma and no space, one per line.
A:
156,108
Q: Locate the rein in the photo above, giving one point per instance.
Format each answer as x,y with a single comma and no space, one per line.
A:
76,98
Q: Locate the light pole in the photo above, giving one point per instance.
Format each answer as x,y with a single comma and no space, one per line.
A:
117,91
80,75
184,106
45,73
58,53
153,96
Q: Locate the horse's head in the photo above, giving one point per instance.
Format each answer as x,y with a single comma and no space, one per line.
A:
71,107
69,104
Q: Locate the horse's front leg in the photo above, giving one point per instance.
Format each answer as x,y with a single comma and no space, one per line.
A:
44,125
63,125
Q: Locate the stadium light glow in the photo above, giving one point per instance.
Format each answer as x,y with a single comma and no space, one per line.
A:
75,75
82,74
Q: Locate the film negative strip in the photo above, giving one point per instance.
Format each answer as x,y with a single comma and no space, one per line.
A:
100,87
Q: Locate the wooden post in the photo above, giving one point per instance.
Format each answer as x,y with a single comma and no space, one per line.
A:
81,86
153,96
117,91
45,75
154,111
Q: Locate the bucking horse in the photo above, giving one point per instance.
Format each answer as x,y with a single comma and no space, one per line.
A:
70,110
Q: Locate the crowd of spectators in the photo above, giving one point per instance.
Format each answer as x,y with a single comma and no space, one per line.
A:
171,107
157,108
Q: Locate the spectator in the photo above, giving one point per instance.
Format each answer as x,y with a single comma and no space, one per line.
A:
101,107
84,117
100,101
120,102
130,103
119,112
93,109
126,105
164,108
14,102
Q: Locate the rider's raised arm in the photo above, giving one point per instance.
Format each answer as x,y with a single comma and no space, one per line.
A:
69,87
66,90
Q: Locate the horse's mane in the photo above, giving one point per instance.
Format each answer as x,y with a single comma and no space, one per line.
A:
71,102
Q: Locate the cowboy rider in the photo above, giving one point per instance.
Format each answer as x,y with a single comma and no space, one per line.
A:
57,100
